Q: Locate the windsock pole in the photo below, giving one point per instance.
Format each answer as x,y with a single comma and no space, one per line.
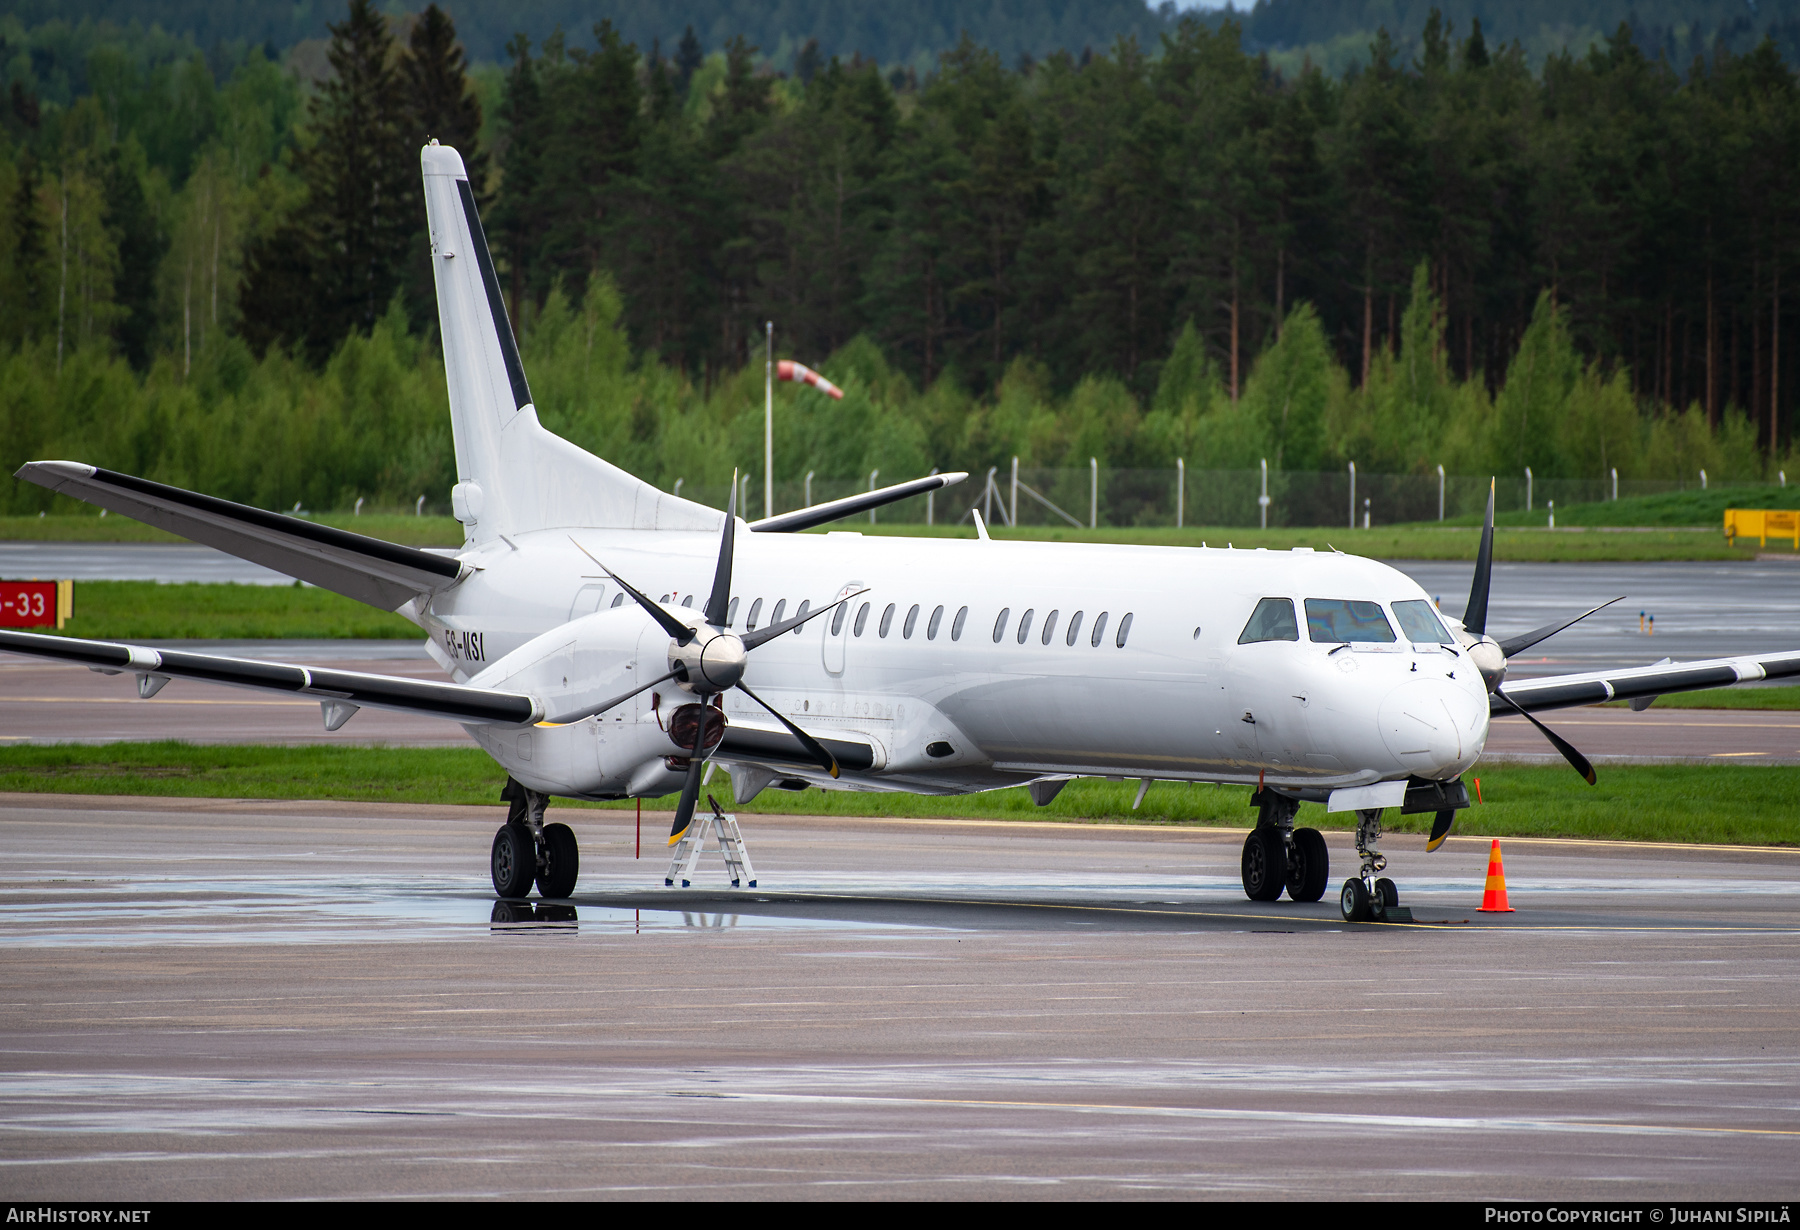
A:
769,421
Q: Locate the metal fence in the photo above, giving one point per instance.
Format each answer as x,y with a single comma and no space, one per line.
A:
1100,496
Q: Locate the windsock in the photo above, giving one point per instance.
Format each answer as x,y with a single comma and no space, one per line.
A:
787,369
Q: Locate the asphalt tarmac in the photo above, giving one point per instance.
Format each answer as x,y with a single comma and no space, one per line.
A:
211,999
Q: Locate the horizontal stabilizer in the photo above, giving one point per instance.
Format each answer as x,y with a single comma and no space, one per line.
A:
1598,687
382,574
453,701
849,506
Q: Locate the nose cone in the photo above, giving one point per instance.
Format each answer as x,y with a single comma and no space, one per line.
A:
1432,727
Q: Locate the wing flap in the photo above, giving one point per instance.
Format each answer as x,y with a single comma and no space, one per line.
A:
1597,687
452,701
381,574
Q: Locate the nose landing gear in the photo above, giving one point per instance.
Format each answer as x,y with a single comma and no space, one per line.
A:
1366,898
1279,856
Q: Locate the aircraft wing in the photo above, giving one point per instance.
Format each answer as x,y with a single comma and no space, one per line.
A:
1642,682
381,574
340,693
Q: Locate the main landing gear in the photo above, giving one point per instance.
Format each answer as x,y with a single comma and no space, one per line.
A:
1365,898
527,850
1279,856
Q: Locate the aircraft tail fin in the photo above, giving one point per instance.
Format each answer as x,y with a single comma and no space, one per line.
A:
514,476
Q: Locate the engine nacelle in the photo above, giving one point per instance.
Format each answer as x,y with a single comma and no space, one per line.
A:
580,664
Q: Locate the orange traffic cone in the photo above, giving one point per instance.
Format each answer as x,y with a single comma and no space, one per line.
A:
1493,900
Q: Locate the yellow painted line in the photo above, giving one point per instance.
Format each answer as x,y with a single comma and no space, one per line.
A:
1740,753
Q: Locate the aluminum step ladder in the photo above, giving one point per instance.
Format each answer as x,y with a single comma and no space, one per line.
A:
723,827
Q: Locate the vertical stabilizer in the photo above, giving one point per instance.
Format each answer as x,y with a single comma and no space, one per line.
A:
512,475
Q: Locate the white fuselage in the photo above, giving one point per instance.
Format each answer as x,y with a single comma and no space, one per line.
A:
1181,699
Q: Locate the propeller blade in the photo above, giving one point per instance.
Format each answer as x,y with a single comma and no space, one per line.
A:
1525,640
674,627
1475,615
826,760
764,635
1440,829
690,789
592,710
1561,744
720,600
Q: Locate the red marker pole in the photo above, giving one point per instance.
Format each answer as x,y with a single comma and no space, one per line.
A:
640,831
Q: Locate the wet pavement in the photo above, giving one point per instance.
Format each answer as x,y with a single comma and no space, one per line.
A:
210,998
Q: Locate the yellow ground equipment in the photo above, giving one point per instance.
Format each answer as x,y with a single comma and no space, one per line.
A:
1760,523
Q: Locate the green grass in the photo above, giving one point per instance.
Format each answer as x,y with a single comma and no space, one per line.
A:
81,527
1522,537
1732,804
1725,698
1674,508
1429,541
147,610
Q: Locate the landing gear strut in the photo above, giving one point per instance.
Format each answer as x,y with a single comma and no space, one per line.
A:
1366,898
1277,855
527,850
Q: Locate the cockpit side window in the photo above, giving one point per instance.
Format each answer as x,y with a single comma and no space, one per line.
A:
1336,621
1420,623
1272,620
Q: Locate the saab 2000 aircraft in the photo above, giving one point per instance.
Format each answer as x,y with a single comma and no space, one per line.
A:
854,663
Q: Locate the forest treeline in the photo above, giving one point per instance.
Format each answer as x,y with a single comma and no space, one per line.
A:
216,274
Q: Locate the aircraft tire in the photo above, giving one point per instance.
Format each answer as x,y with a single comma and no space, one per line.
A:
1311,870
1265,864
513,861
562,862
1390,896
1355,901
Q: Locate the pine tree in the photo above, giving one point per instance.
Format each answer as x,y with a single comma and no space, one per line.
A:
518,214
141,244
689,56
332,269
441,102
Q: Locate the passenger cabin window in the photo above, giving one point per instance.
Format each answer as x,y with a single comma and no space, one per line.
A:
862,619
1272,620
1074,628
837,618
755,610
1000,623
1099,630
912,621
1337,621
688,601
731,613
1124,630
1050,626
931,629
1420,623
962,615
887,620
775,615
619,598
805,606
1025,625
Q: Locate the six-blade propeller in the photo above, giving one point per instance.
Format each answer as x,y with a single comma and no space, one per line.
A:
1490,655
708,659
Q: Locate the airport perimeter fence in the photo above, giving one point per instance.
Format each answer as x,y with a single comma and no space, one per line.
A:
1099,496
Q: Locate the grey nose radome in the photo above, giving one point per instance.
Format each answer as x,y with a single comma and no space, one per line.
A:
1431,726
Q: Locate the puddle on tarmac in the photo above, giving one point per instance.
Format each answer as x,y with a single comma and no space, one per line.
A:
175,910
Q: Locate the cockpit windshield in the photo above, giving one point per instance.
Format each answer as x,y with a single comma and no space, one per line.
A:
1420,623
1273,620
1340,620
